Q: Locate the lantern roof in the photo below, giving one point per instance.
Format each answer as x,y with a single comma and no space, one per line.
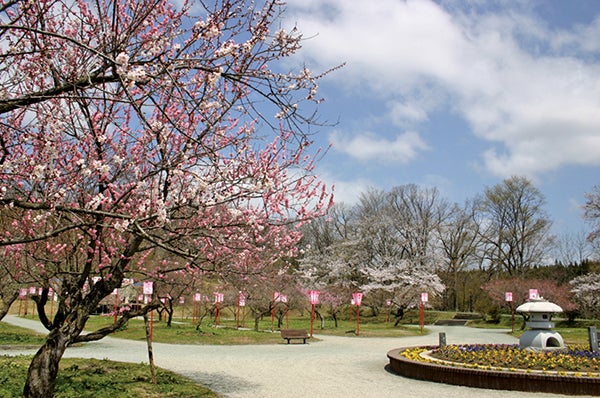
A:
539,306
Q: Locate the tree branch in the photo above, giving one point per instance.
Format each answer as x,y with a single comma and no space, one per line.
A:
34,98
122,321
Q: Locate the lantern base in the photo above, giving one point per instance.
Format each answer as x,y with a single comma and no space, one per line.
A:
541,340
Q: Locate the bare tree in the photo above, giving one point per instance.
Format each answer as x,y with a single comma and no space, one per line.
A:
416,213
460,240
515,227
592,216
572,248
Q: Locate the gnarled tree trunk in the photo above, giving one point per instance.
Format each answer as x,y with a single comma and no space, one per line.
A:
41,377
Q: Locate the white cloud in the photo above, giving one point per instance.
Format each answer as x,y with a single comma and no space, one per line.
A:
388,45
403,113
370,147
346,191
582,38
520,85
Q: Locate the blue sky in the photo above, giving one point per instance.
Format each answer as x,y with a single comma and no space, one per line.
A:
458,94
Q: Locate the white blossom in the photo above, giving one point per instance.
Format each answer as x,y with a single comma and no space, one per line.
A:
212,31
136,74
122,225
38,171
95,202
226,49
122,59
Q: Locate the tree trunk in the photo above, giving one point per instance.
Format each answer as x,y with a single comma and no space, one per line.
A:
6,302
321,319
150,352
169,317
41,376
399,316
256,321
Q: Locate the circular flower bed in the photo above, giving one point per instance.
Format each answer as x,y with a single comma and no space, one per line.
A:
573,370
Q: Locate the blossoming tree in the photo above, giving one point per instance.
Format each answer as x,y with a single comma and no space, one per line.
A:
128,126
586,292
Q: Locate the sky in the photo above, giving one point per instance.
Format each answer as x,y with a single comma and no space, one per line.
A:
458,95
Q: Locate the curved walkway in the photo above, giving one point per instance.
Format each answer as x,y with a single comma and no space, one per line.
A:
334,367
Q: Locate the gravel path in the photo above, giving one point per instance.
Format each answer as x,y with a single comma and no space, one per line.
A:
333,367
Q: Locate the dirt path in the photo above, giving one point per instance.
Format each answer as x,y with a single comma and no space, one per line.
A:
331,368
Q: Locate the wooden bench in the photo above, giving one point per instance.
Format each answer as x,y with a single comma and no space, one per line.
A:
291,334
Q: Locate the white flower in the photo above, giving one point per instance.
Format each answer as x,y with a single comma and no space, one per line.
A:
100,167
226,48
235,212
200,25
95,202
137,74
38,171
122,59
247,46
214,77
212,31
122,225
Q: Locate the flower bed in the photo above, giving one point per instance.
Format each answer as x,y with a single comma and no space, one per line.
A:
575,360
503,367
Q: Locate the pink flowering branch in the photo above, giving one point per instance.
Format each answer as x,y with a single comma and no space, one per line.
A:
132,128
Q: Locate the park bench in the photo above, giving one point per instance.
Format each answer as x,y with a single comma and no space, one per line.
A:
291,334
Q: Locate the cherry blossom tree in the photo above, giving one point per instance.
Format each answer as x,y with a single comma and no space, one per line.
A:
129,126
175,284
548,289
330,258
380,248
398,232
258,283
586,291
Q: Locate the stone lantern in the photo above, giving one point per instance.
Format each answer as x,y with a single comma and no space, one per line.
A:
540,336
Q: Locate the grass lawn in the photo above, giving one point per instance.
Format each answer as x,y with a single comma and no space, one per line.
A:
83,378
184,331
13,335
90,377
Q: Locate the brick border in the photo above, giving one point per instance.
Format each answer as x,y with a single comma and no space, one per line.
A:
492,379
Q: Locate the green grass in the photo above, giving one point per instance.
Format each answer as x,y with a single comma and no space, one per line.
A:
13,335
183,331
87,378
